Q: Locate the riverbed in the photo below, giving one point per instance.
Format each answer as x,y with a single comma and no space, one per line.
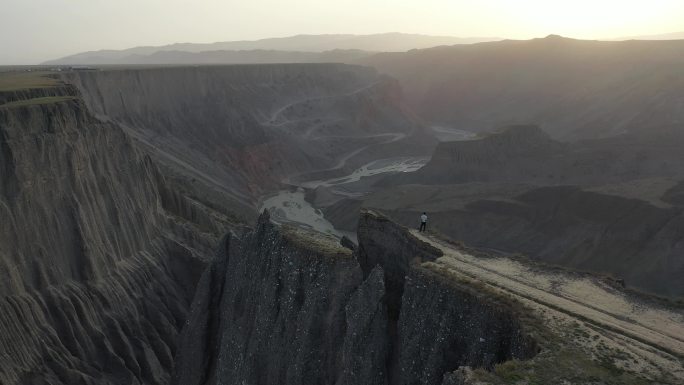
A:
290,205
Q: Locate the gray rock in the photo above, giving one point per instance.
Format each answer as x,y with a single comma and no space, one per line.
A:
291,313
97,267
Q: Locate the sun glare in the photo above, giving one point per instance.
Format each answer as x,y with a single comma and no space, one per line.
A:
595,19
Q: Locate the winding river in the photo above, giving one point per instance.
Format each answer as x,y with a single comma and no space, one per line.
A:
290,205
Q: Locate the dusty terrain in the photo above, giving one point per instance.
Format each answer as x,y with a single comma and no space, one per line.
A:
599,317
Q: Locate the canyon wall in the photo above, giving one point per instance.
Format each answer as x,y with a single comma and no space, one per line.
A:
295,308
99,252
244,128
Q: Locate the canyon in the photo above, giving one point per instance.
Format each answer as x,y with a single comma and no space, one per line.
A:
134,248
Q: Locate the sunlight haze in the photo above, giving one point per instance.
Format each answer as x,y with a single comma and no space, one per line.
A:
35,30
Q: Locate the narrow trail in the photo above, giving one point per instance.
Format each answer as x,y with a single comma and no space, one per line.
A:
627,321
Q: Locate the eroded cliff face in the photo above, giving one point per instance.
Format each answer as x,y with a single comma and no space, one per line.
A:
244,128
99,252
297,308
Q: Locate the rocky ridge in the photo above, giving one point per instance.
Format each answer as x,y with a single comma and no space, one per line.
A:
296,308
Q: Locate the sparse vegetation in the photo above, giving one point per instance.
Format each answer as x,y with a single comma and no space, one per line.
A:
316,242
570,352
13,81
563,363
37,101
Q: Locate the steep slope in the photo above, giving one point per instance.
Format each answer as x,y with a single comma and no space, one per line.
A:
99,252
572,88
245,128
296,308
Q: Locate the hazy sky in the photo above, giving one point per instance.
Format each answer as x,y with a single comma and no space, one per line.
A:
36,30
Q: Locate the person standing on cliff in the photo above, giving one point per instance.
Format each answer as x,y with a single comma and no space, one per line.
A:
423,222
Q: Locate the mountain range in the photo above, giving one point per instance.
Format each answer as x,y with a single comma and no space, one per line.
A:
384,42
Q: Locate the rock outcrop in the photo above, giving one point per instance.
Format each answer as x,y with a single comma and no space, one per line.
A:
296,308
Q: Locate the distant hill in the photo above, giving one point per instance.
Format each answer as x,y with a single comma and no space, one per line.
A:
259,56
665,36
573,88
386,42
